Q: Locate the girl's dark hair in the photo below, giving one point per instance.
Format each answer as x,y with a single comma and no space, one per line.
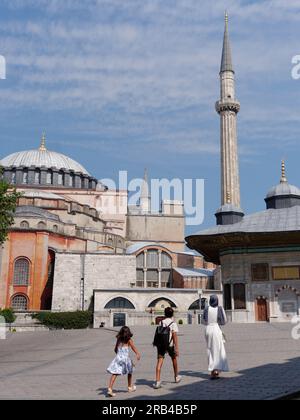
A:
123,337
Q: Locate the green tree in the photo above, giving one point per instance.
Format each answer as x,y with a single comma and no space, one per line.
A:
8,203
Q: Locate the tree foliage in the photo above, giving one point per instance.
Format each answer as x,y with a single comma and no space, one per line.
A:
8,203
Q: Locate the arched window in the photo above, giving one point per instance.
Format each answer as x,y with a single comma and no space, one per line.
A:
37,177
49,177
60,178
162,303
21,272
72,180
24,224
13,177
25,177
19,303
157,272
195,306
42,225
119,303
152,258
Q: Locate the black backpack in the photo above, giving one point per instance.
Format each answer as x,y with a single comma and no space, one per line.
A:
162,337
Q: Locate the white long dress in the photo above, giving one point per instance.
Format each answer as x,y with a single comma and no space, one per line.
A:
217,359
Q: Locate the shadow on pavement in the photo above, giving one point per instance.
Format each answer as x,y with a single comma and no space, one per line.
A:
264,382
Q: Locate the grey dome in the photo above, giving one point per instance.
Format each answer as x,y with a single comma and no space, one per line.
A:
39,158
283,189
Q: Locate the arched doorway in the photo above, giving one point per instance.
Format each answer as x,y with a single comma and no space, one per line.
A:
19,303
157,308
262,310
119,307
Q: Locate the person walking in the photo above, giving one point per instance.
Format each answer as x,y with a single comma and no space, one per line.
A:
122,363
213,317
166,341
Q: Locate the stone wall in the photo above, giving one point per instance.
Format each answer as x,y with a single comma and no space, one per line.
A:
141,300
77,275
167,230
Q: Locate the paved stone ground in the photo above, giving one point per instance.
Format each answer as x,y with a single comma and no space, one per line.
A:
264,359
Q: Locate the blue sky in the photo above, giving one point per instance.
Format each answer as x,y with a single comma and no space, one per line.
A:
123,85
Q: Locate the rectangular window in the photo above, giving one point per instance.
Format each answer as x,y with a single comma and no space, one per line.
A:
140,260
152,284
37,177
139,284
49,178
25,177
152,275
286,273
140,275
239,296
152,259
227,297
60,179
260,272
166,276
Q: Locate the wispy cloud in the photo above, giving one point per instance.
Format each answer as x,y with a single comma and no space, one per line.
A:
133,77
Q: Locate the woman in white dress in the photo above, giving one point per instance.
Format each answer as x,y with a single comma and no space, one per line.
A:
214,316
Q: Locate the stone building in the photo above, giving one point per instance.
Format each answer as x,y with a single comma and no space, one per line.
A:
74,241
259,253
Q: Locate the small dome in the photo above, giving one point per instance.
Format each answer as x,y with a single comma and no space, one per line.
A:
283,189
283,195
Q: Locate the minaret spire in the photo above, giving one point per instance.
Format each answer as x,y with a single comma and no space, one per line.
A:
42,147
228,107
283,176
226,62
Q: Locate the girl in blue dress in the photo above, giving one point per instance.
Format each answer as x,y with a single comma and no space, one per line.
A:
122,363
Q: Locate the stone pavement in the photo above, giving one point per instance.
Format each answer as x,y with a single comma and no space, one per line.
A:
264,359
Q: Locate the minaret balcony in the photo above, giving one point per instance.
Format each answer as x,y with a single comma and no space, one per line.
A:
227,105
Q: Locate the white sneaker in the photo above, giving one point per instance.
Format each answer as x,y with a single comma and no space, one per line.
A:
110,393
132,388
157,385
178,379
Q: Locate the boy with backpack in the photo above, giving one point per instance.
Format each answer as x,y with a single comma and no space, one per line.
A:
166,341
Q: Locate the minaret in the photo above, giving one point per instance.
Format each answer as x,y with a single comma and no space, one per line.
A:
228,107
145,199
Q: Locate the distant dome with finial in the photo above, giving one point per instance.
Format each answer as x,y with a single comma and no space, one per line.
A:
283,195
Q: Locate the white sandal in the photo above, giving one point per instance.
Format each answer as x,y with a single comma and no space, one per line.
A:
132,388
